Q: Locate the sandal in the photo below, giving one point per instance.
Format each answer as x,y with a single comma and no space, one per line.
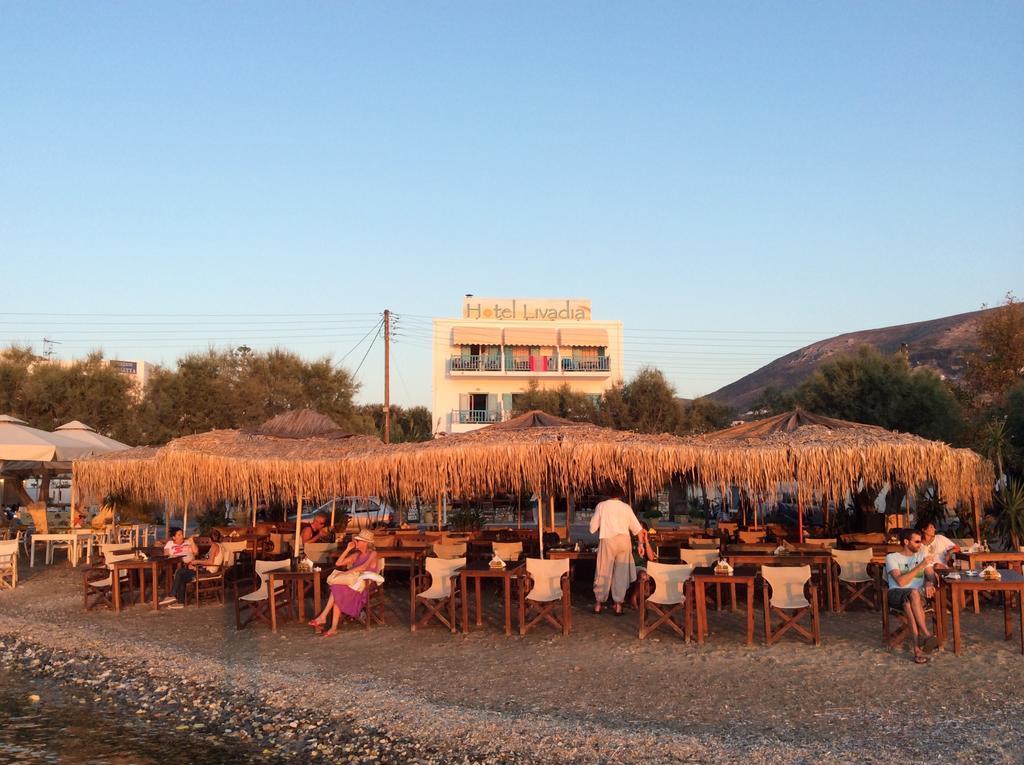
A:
618,609
921,659
315,624
329,633
597,608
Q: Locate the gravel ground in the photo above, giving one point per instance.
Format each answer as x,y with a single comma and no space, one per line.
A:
598,695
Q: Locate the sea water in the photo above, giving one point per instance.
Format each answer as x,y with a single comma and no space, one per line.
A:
40,722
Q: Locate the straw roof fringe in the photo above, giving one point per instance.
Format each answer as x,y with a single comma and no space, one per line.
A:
537,452
130,471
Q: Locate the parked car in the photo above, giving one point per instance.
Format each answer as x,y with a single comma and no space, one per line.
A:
361,511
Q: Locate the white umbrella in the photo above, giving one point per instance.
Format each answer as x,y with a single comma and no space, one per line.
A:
83,434
20,443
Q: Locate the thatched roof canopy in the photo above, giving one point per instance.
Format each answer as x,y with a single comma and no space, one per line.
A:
535,451
297,454
129,471
829,456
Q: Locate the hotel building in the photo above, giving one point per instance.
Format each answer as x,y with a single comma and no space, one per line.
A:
491,354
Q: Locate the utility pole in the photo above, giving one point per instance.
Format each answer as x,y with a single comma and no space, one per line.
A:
387,376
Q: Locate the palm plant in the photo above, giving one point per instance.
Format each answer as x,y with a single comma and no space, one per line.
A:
1010,503
931,507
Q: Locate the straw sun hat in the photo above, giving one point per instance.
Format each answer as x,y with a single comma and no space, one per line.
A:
365,535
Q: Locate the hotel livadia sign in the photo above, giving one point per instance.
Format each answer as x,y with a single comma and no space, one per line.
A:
525,310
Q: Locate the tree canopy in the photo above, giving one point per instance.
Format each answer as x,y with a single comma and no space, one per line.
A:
878,389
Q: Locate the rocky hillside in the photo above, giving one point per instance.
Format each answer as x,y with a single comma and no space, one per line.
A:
938,343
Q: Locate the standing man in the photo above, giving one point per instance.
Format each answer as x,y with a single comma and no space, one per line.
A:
911,578
613,521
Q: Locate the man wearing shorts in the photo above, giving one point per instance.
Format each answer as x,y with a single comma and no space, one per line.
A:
911,578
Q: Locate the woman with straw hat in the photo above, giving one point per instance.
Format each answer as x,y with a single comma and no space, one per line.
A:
348,593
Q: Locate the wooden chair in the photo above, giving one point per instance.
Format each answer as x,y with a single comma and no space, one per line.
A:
9,564
543,589
893,636
508,551
374,611
452,551
436,591
209,583
280,543
788,592
750,537
258,601
321,552
237,560
700,543
826,542
665,595
853,579
98,581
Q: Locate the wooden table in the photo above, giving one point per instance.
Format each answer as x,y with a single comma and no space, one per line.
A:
823,560
299,579
1011,582
414,555
152,565
703,576
478,571
980,559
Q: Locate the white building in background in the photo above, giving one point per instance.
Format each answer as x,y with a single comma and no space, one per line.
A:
485,358
138,371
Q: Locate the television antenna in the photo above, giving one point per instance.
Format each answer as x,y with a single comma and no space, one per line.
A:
48,350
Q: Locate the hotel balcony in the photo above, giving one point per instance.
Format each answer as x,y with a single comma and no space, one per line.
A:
477,416
525,366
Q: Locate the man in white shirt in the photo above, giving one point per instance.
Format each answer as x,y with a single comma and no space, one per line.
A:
910,575
942,547
613,521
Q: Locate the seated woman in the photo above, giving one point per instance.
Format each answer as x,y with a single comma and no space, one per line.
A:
186,573
358,556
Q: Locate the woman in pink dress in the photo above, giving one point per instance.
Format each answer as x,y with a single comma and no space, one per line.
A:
358,556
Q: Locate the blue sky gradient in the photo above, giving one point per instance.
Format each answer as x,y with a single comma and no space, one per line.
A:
731,180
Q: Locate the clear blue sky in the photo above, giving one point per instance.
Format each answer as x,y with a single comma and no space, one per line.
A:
731,180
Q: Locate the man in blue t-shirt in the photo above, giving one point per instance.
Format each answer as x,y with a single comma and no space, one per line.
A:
910,575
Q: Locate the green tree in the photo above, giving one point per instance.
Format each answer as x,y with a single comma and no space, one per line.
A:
15,365
704,415
998,365
652,403
407,424
89,390
561,402
241,388
869,387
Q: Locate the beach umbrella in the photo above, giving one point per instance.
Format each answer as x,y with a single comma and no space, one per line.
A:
79,431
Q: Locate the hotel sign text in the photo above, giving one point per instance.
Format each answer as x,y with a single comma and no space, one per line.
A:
525,310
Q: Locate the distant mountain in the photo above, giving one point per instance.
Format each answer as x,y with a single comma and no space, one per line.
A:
939,343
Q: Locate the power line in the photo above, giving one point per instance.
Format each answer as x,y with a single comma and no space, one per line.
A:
374,327
370,348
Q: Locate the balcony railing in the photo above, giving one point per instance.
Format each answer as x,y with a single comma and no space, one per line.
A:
476,416
530,364
475,363
600,364
520,363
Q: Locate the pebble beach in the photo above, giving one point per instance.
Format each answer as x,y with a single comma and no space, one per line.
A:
598,695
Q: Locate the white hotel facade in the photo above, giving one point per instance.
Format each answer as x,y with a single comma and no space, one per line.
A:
485,358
